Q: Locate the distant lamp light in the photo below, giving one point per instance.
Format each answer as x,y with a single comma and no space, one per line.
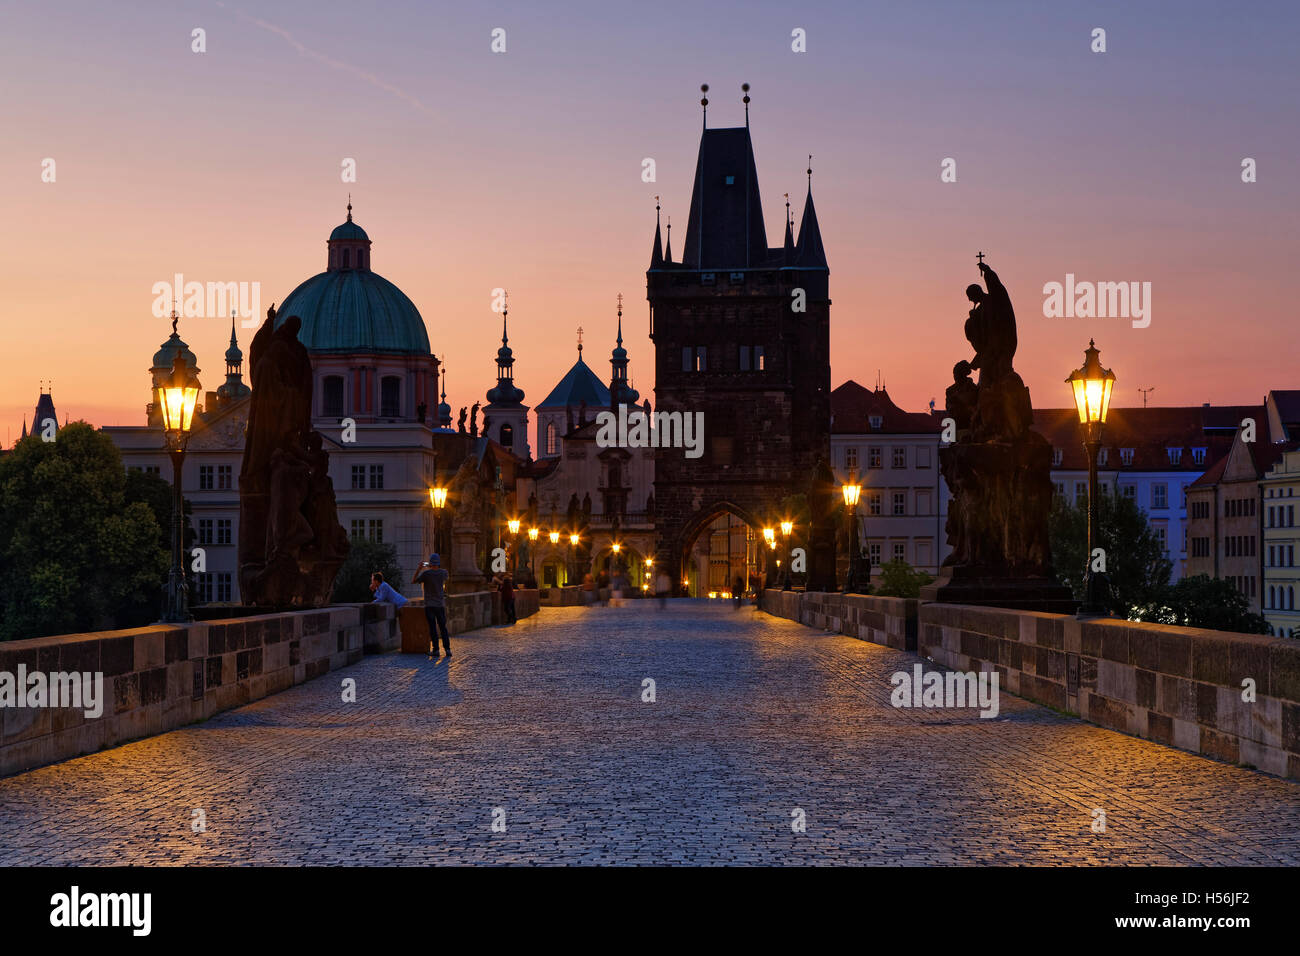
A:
787,527
617,547
555,537
769,535
573,540
438,497
533,533
513,525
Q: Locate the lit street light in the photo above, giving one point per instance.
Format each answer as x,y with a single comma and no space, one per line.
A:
851,492
176,400
1092,386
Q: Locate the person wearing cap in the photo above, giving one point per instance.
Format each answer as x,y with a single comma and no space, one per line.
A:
432,576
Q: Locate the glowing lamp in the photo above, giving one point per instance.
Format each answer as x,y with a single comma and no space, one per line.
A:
1092,387
176,399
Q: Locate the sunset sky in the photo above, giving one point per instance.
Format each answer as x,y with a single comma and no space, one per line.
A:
522,170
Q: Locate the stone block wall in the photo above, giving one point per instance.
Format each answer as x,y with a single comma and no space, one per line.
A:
880,620
1177,686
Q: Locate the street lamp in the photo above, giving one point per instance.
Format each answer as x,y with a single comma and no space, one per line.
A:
1092,387
437,498
555,537
786,528
176,400
532,552
513,526
852,492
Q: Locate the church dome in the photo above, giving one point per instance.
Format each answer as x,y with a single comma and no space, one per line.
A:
166,356
348,308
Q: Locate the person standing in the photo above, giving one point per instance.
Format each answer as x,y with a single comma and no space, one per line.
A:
507,588
432,576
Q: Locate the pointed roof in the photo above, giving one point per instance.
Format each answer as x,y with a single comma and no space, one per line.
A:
657,252
579,385
725,229
668,247
788,247
811,253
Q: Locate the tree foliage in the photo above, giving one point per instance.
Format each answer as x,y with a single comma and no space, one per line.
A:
365,557
1136,564
77,552
1203,601
900,579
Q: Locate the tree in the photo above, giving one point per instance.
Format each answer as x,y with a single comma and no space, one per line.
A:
1136,565
365,557
900,579
157,493
75,553
1203,601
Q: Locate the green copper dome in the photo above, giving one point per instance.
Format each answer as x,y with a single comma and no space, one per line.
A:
349,230
352,310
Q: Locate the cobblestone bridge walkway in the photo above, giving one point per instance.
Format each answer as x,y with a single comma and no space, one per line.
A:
757,720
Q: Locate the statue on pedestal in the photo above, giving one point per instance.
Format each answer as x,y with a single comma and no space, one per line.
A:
998,471
290,542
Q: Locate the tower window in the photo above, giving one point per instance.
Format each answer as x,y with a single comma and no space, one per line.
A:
347,258
552,438
731,180
507,436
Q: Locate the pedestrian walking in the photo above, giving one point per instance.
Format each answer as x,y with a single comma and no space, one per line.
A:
662,587
507,588
433,577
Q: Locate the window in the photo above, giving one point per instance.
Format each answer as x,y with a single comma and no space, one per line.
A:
1080,491
1175,456
507,436
358,476
900,551
899,458
347,258
390,393
851,458
708,278
875,421
357,530
1160,495
873,552
1059,487
1103,457
1161,537
376,476
923,457
552,439
154,470
900,502
874,456
205,531
225,477
873,502
205,477
1057,455
223,587
1270,516
1198,455
1129,491
1126,456
751,358
375,529
204,595
702,358
332,396
223,531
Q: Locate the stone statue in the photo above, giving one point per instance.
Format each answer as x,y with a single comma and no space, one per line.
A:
473,421
290,542
998,471
460,425
823,514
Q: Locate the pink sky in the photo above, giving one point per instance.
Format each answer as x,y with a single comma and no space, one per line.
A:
523,170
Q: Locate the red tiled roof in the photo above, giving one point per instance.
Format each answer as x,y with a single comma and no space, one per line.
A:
1150,432
852,407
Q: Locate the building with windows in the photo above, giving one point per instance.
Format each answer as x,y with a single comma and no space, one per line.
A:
375,381
1151,455
1280,508
894,455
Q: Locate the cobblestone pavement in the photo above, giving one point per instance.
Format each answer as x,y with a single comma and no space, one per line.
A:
755,718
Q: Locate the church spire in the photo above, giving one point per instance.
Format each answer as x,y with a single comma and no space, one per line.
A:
505,392
668,249
656,253
788,248
620,392
811,253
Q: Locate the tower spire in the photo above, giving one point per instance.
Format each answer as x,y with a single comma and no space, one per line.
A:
656,253
668,249
349,207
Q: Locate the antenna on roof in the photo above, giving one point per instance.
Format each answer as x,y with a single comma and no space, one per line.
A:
745,88
704,102
1145,392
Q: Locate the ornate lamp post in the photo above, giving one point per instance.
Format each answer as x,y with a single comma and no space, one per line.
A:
786,528
176,400
769,536
574,540
1092,386
852,492
532,552
513,525
438,499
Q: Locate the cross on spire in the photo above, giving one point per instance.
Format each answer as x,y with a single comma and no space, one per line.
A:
349,207
980,257
580,341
